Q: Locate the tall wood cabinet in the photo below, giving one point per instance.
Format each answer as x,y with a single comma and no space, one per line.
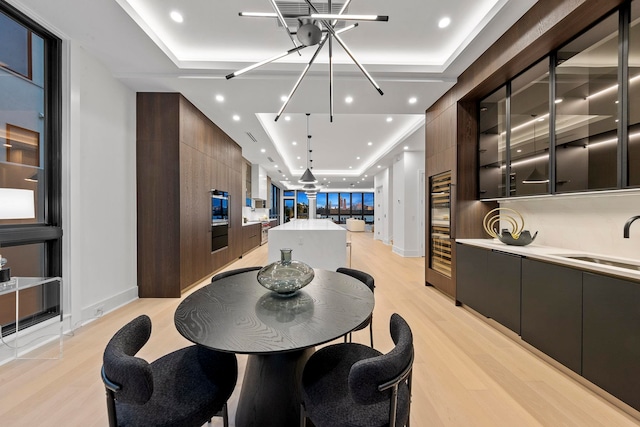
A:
180,156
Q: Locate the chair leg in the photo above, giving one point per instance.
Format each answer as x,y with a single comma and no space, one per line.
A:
371,331
303,416
225,415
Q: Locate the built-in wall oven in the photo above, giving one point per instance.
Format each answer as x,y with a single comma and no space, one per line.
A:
219,220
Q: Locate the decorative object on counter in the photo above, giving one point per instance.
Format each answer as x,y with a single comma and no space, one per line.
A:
5,273
285,277
518,236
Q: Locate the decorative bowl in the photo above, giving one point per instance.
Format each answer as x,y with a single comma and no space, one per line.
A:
523,239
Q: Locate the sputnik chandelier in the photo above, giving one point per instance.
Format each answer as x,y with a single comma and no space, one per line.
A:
314,28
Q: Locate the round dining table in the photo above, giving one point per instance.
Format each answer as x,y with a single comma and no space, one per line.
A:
237,315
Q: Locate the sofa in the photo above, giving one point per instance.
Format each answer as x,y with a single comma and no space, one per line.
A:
355,224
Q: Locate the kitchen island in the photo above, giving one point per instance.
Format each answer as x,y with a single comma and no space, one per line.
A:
318,242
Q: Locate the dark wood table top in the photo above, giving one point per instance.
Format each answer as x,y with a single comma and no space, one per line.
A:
236,314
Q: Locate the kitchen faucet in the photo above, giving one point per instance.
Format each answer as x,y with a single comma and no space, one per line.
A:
628,224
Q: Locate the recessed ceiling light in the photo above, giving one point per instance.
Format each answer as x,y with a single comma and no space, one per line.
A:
389,119
262,150
236,117
275,166
350,167
559,100
366,176
287,118
519,151
324,179
284,176
358,158
444,22
370,143
298,157
219,98
283,98
348,99
176,16
413,100
406,147
344,179
294,143
301,167
379,166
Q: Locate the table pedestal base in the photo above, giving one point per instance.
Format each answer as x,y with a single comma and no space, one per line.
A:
270,395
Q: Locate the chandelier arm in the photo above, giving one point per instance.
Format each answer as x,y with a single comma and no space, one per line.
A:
304,73
266,61
329,28
284,24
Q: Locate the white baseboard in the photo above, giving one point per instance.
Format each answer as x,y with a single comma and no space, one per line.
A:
100,308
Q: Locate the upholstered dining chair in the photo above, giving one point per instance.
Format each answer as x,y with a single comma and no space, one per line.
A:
233,272
350,384
368,280
184,388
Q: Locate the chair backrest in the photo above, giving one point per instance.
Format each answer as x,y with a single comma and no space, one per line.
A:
366,376
132,375
365,278
233,272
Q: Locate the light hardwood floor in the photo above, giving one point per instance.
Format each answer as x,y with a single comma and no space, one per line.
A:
466,373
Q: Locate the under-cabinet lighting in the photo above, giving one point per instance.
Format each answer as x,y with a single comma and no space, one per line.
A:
611,88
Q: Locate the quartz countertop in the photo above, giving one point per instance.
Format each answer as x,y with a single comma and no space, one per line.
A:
308,225
558,256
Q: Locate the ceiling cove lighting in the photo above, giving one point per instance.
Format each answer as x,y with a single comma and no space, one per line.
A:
307,177
314,28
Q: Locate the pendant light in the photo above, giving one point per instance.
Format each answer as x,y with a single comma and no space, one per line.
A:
307,177
535,177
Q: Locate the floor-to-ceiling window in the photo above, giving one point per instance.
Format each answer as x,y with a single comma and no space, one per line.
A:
30,144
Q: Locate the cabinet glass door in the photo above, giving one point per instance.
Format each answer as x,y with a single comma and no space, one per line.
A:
439,229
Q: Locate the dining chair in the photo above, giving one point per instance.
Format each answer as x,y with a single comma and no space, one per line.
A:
368,280
352,385
184,388
233,272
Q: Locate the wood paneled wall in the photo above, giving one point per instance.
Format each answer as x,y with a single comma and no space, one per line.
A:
181,156
451,123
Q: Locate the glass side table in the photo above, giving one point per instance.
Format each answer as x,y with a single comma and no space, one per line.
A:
31,317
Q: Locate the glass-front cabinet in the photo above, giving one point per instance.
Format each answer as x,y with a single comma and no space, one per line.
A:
570,122
587,100
440,228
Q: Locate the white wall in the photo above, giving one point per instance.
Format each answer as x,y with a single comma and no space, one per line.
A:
382,201
99,188
584,222
407,226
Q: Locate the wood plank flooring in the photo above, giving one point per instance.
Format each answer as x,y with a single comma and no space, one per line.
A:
466,372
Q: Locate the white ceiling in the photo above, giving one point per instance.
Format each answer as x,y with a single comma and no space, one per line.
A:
408,56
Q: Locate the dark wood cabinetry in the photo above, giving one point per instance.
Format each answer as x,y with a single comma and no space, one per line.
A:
180,156
251,237
552,311
489,282
611,345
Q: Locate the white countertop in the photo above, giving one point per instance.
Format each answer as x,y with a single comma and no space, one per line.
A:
251,223
554,255
308,225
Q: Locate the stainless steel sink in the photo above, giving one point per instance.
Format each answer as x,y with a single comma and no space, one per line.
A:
603,261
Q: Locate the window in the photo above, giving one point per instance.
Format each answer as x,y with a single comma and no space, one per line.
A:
275,202
302,205
322,211
367,207
30,142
